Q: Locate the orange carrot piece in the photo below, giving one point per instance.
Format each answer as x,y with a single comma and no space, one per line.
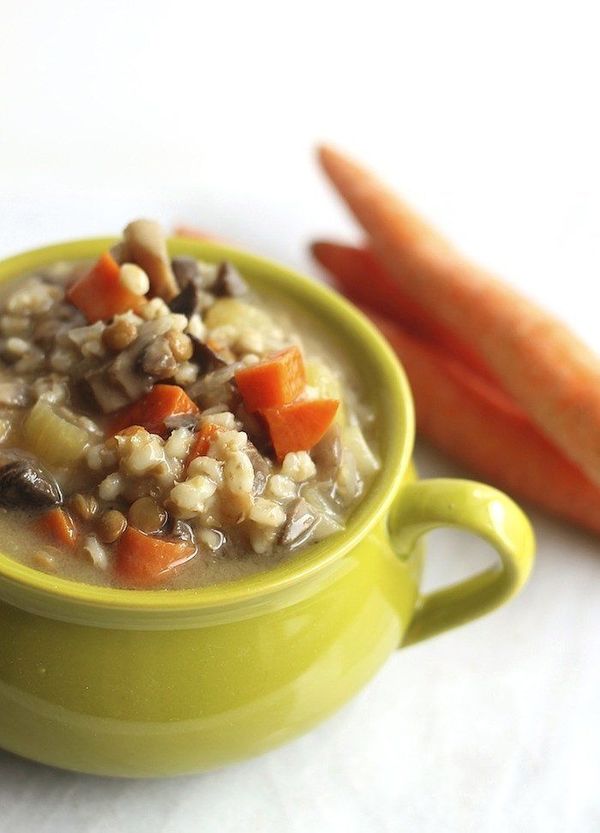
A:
360,276
151,411
273,382
478,425
59,527
146,560
202,441
537,360
300,425
100,295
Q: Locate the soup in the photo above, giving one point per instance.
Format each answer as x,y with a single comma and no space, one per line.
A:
163,426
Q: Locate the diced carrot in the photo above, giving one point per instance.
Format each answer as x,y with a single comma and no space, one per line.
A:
272,382
478,425
202,441
146,560
300,425
151,411
59,527
553,376
359,274
100,294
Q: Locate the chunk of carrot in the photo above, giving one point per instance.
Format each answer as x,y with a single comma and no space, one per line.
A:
202,441
299,426
100,294
151,411
272,382
146,560
59,527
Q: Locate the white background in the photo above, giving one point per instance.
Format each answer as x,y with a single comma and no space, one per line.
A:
485,115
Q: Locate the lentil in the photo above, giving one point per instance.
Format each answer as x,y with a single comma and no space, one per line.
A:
146,515
111,526
85,507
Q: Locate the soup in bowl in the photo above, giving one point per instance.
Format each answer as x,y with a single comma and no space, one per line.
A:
162,424
267,553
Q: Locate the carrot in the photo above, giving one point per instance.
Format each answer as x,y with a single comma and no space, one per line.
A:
59,526
272,382
146,560
360,276
192,233
202,441
478,425
300,425
537,360
151,411
100,295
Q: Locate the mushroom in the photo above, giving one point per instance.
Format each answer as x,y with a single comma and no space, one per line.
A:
256,430
106,393
122,379
228,283
206,358
327,453
26,485
186,271
301,518
159,361
145,244
188,300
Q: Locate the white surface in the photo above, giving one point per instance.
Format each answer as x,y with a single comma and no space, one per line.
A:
485,115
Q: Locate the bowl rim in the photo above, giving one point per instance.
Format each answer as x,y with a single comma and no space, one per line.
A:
44,593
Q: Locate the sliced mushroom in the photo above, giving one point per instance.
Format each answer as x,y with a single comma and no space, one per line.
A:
206,359
188,300
146,246
158,360
301,518
327,453
186,271
26,485
107,394
125,373
122,379
228,283
256,430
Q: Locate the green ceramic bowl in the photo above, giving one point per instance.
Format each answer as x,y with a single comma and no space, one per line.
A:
149,683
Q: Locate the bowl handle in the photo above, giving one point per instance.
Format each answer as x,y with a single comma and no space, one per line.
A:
427,504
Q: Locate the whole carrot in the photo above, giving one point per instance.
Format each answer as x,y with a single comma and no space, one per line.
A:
361,277
479,426
543,365
191,232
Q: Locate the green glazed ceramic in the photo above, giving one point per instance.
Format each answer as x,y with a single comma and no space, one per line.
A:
152,683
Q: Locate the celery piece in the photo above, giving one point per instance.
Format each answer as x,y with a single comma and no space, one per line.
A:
52,438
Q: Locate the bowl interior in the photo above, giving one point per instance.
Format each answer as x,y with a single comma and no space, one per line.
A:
383,380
